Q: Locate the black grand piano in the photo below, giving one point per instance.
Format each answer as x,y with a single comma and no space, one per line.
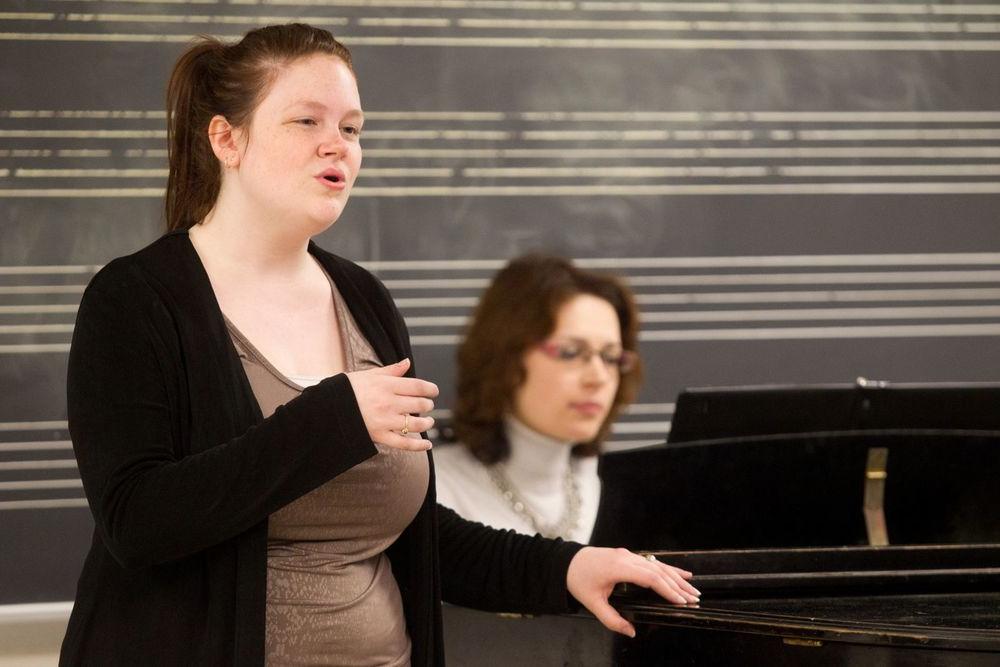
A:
835,525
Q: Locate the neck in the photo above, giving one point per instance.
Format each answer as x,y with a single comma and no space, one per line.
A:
535,458
244,241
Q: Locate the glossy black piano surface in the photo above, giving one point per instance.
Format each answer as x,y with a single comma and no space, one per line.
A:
725,412
920,605
801,490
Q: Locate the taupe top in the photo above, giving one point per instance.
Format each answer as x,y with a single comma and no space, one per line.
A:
331,595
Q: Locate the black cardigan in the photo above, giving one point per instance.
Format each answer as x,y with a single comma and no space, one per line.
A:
181,473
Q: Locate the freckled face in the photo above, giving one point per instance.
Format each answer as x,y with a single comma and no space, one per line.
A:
569,400
302,150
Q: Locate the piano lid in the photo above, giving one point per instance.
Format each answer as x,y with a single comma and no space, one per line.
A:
802,490
724,412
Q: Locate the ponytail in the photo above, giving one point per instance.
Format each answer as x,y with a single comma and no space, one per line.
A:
194,178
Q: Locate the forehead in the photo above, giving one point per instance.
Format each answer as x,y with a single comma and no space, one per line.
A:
317,79
588,317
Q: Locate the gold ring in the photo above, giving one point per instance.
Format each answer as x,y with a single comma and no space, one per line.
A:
406,425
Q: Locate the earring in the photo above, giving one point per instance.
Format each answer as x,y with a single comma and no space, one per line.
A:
230,160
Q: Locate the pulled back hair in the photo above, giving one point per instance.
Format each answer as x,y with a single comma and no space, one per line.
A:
517,311
214,78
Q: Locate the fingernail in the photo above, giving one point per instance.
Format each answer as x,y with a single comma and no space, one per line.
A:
696,591
631,633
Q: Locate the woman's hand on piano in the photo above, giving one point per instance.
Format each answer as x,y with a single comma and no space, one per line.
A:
594,572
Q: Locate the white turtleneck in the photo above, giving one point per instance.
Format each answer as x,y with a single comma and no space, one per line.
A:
536,470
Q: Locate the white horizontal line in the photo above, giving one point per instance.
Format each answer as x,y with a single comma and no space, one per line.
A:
34,426
204,18
640,427
615,172
84,113
405,22
891,170
444,302
98,37
763,116
84,134
38,465
650,409
654,44
865,116
823,296
37,611
820,296
889,134
42,504
854,152
62,193
52,269
38,309
540,5
807,333
41,484
791,7
637,135
450,135
90,173
734,261
171,18
36,445
441,283
869,277
562,43
625,445
53,348
435,340
745,261
434,321
725,26
403,172
42,289
35,328
786,315
655,190
472,116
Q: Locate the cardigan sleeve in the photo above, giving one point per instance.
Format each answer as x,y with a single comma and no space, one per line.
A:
125,391
502,570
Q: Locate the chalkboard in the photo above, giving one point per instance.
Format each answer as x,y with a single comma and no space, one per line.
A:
798,192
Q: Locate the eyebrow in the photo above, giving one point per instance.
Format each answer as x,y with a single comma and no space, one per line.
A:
319,106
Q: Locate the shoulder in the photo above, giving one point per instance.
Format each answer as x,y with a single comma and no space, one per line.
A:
132,277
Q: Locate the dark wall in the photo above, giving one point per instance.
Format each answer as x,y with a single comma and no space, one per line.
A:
796,195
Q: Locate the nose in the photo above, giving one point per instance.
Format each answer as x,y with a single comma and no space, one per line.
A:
333,146
595,371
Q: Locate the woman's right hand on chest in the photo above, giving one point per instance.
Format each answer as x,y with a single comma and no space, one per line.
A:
388,401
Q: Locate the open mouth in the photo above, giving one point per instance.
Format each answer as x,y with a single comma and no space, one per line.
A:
332,179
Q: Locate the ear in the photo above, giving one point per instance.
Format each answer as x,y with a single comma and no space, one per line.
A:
223,138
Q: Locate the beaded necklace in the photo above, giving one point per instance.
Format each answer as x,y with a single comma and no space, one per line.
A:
571,503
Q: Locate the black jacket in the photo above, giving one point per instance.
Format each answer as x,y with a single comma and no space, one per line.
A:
181,473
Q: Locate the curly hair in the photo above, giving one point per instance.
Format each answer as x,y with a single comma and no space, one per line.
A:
518,310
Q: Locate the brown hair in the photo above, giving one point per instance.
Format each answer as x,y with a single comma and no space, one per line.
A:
516,311
213,78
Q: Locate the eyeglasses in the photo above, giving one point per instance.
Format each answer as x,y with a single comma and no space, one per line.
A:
614,358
